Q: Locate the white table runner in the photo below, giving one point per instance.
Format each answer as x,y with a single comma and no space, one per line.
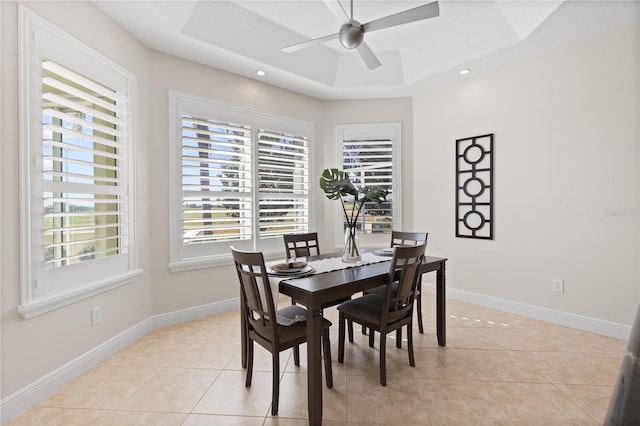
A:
320,266
336,263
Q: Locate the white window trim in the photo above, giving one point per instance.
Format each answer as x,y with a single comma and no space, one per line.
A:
177,261
29,63
396,130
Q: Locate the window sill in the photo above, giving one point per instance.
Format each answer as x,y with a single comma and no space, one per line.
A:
46,304
214,261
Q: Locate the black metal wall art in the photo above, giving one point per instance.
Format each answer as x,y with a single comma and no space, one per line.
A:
474,187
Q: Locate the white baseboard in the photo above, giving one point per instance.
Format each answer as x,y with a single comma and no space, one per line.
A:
35,392
197,312
579,322
22,400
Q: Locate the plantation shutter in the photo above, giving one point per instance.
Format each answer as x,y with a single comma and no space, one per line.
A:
283,173
216,181
85,169
238,178
369,162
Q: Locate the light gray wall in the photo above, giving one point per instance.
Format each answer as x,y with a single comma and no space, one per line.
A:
181,290
566,177
32,348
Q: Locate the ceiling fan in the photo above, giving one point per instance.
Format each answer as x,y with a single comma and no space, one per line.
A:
351,34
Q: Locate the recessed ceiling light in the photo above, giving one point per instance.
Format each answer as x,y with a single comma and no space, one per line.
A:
465,71
261,73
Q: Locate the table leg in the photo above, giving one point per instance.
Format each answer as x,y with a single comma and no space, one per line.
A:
441,301
314,367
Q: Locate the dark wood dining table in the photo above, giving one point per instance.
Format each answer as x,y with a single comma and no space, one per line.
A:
321,290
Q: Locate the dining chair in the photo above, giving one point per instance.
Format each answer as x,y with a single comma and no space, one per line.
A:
391,312
303,245
275,330
399,239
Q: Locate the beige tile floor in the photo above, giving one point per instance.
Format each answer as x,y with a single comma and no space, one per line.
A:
497,369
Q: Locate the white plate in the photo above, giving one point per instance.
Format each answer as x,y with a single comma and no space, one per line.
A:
299,273
385,251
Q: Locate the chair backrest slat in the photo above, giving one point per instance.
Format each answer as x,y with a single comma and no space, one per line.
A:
405,268
401,238
301,245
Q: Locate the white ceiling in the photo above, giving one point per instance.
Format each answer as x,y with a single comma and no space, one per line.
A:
244,36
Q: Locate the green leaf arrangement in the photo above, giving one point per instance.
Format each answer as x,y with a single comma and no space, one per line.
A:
337,185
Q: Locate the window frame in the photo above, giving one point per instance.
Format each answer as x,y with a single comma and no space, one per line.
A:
42,291
393,131
182,258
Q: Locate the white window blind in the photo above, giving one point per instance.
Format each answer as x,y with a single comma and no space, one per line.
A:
241,179
78,169
370,154
216,180
283,170
84,170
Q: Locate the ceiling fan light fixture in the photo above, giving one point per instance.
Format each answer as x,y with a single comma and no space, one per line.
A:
351,34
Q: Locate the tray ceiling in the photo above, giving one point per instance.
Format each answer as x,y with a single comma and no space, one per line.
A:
245,36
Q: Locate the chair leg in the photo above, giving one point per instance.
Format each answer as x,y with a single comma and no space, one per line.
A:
296,355
399,338
350,329
341,321
412,360
383,358
372,336
419,304
244,336
249,354
275,393
326,348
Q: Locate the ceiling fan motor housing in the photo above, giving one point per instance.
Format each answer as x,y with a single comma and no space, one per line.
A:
351,34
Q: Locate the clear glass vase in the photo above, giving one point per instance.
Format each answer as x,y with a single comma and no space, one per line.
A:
350,252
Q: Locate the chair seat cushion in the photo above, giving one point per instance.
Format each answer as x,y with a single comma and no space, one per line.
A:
367,308
382,290
295,317
291,314
330,304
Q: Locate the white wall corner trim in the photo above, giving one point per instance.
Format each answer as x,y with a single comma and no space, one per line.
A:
580,322
22,400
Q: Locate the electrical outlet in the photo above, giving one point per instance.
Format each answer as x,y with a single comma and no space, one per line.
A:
96,315
558,286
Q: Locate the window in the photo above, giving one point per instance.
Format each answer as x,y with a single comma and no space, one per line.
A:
370,153
238,177
78,180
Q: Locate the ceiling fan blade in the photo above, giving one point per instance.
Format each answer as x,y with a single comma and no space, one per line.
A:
345,12
368,56
426,11
309,43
